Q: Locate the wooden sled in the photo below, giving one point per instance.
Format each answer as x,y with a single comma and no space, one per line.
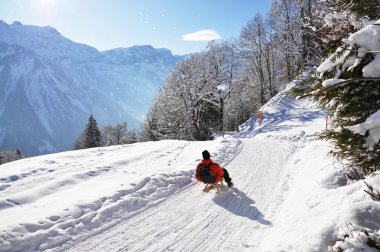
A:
218,186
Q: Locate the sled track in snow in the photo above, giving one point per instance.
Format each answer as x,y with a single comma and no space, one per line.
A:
192,220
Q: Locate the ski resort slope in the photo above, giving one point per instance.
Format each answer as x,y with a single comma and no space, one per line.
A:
288,195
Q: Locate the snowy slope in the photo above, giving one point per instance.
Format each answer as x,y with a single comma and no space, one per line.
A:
52,85
288,195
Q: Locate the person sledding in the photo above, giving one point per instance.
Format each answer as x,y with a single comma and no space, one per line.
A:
211,173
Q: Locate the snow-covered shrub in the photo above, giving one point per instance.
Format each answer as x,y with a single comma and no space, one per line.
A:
7,156
357,240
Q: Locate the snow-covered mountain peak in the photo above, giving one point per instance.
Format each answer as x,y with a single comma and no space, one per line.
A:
45,41
54,84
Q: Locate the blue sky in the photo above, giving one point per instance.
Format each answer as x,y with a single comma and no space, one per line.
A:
108,24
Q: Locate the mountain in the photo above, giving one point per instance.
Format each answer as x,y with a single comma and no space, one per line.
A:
50,85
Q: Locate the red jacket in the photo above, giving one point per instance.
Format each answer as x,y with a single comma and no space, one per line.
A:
215,169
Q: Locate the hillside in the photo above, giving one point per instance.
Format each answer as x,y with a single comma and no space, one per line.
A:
288,195
51,85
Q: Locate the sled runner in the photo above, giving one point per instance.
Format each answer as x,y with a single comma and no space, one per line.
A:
218,186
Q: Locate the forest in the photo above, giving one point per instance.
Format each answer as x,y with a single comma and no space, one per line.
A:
221,87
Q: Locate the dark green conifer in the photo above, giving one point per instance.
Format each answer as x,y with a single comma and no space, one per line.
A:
92,135
18,154
349,104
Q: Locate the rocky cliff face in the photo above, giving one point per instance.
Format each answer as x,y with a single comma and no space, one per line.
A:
50,85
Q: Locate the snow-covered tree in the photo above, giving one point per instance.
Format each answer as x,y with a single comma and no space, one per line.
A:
222,71
285,22
107,133
349,88
256,51
131,137
120,132
243,101
114,134
188,104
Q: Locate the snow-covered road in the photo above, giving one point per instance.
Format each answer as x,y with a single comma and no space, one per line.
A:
288,195
191,220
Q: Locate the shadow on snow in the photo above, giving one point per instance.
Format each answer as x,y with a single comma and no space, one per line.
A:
238,203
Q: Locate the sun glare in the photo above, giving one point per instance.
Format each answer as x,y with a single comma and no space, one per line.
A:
46,4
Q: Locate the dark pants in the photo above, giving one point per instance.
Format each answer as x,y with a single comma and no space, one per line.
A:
226,176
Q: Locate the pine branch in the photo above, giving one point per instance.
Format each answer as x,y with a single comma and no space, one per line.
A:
338,84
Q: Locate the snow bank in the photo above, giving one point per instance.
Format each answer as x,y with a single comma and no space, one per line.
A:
46,201
318,202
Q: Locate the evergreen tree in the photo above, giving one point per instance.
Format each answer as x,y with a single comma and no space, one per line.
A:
18,154
90,137
92,134
1,157
350,103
